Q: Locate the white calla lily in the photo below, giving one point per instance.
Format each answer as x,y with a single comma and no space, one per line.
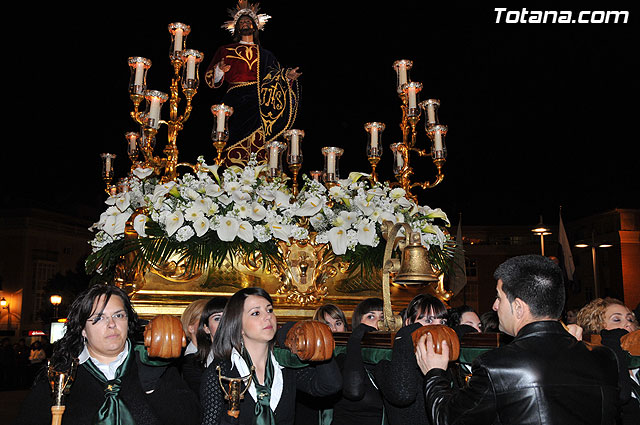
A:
191,194
240,196
436,213
338,238
203,204
428,228
283,200
310,207
365,205
257,212
228,229
367,233
142,173
386,215
213,190
266,194
123,201
280,231
115,224
201,226
140,224
404,203
173,222
225,200
348,217
245,231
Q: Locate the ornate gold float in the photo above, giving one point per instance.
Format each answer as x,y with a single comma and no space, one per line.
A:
170,238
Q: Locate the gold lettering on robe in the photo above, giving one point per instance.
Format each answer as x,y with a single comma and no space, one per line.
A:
274,97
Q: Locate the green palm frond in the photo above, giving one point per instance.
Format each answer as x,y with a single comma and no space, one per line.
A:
364,257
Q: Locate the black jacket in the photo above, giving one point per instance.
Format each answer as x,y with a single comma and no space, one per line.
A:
320,379
154,395
544,376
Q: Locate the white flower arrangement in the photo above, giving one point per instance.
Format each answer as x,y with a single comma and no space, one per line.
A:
351,213
242,205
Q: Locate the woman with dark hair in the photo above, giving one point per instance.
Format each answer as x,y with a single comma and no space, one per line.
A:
115,382
425,309
464,319
309,409
361,402
369,311
490,322
195,364
399,379
244,340
332,316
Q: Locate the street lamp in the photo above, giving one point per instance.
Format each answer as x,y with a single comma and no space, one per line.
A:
5,304
593,245
55,300
543,231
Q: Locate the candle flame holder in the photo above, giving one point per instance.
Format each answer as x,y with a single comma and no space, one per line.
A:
412,109
374,142
294,139
220,132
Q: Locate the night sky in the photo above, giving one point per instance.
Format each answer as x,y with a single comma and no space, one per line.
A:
540,115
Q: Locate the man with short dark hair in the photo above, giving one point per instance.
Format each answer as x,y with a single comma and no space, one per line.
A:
544,376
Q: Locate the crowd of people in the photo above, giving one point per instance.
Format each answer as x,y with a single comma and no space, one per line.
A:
546,374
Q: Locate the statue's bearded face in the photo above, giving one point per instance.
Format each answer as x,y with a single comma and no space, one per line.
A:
245,26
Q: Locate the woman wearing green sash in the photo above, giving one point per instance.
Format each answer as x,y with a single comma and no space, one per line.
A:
115,382
245,339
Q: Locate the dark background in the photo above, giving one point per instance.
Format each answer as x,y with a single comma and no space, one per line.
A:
540,115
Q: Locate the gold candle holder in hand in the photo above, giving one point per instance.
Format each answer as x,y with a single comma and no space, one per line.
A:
60,383
233,390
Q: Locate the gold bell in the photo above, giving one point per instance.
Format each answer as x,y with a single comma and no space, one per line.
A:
415,267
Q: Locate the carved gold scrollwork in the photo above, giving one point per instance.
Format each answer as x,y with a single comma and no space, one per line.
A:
306,267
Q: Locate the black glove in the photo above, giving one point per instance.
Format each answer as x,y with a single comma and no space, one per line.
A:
611,339
360,330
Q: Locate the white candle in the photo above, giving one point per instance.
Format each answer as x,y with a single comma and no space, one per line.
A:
132,143
295,151
220,124
374,137
177,46
139,73
399,160
437,140
431,113
191,67
331,163
412,97
107,165
154,110
402,74
273,157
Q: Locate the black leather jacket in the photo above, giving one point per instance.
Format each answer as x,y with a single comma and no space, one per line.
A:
544,376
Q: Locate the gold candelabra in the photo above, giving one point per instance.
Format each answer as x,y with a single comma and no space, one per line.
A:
412,109
141,144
